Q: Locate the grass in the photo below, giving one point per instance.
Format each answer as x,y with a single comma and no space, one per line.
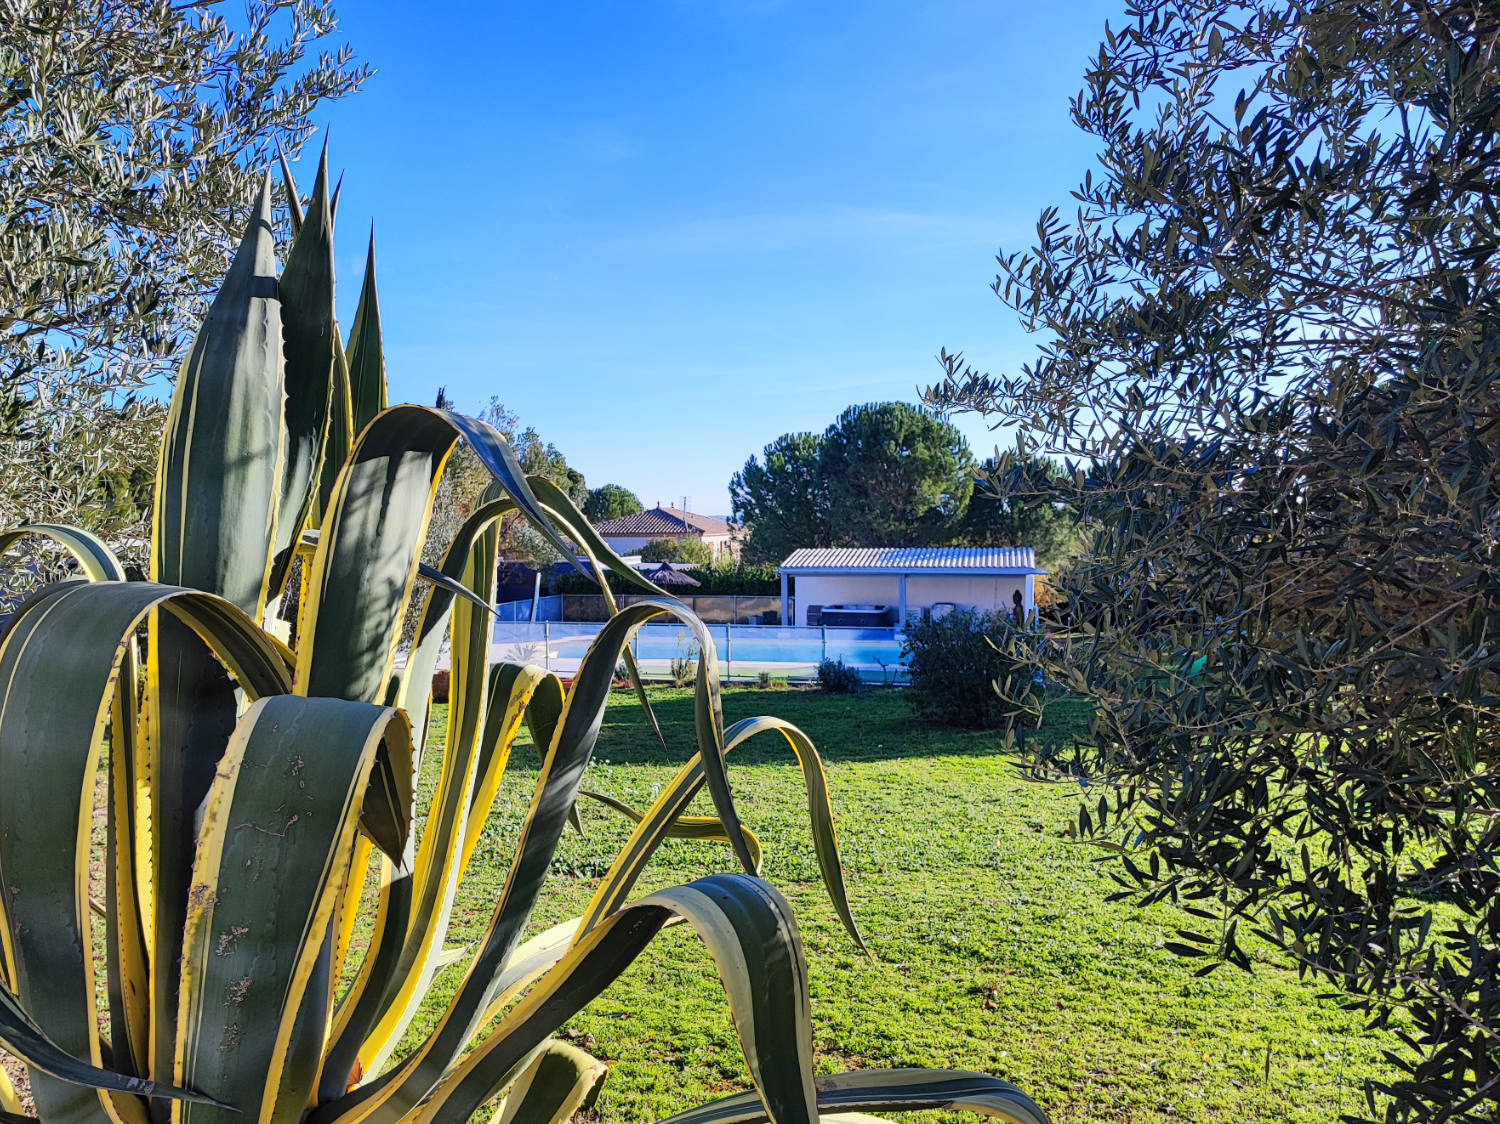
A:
995,949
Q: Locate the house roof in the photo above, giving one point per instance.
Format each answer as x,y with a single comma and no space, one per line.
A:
662,521
912,560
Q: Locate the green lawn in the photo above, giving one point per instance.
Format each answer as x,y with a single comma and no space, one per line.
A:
994,947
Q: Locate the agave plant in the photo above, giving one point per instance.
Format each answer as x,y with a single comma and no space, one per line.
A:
258,775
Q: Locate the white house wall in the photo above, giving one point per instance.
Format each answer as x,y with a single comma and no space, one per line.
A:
626,545
633,544
985,594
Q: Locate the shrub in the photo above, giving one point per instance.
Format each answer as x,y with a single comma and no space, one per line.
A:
969,669
722,578
764,681
731,576
685,666
685,549
225,946
838,678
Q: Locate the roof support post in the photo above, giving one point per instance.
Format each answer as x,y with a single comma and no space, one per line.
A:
786,622
901,601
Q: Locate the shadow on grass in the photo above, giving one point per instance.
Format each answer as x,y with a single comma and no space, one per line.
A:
876,724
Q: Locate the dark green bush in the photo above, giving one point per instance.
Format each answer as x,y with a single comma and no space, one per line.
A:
838,678
738,578
719,579
972,669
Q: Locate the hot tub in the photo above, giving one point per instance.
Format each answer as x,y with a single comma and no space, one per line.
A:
859,616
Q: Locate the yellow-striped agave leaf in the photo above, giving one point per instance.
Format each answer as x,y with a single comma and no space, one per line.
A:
561,1081
95,559
750,932
664,816
277,828
708,829
843,1096
312,370
366,354
25,1040
68,643
601,557
220,474
366,562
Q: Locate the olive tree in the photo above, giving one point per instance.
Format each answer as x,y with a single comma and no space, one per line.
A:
131,135
1272,336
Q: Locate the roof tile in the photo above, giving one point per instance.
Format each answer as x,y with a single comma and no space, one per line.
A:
662,520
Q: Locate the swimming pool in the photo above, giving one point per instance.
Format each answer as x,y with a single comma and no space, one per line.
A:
744,651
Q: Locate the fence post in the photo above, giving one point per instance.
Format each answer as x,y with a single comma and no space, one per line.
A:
729,651
547,645
825,642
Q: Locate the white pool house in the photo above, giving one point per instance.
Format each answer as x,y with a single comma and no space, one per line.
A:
875,587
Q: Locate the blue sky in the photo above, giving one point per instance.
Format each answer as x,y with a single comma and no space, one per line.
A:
665,232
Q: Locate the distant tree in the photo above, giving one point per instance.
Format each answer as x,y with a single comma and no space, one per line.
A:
465,480
685,549
131,139
542,458
1272,335
611,501
780,498
894,475
1025,514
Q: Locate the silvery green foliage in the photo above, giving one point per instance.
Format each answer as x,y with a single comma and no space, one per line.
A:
1271,339
131,136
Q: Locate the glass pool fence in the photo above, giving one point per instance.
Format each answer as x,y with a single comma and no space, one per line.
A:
744,651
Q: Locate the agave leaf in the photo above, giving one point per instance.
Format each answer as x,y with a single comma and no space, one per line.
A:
415,688
658,824
370,997
341,431
25,1040
293,199
126,893
749,930
367,386
311,369
576,525
426,573
466,794
366,561
560,1081
439,857
97,561
600,555
347,918
563,764
69,641
707,829
10,1100
887,1090
215,517
277,826
214,529
544,699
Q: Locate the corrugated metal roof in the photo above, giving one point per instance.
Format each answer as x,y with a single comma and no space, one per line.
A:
916,559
